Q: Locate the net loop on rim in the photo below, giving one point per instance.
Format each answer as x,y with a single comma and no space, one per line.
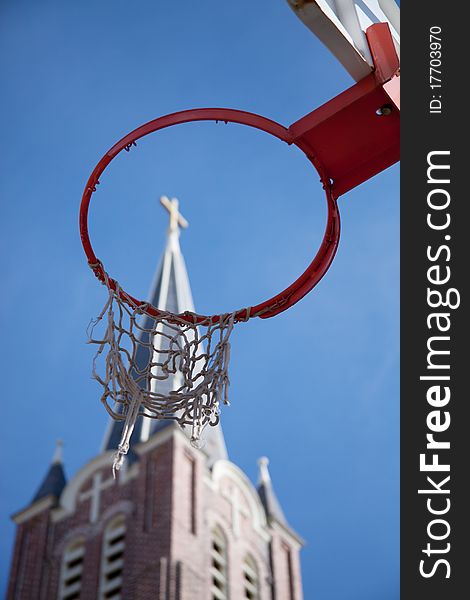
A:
161,367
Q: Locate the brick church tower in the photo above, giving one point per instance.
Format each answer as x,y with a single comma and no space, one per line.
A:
177,524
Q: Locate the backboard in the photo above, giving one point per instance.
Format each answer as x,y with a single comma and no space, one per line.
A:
341,26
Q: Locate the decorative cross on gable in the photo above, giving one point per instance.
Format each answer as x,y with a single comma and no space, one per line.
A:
233,496
176,218
94,493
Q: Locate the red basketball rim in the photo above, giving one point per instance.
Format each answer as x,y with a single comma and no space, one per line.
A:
278,303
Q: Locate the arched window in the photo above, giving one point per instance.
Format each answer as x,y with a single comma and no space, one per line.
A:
219,584
72,569
112,559
250,579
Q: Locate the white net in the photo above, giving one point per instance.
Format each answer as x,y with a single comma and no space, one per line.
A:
140,355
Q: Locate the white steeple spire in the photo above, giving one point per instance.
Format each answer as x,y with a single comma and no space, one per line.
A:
263,475
170,291
57,457
54,481
266,492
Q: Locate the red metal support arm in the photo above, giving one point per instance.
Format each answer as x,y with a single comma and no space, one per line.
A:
357,134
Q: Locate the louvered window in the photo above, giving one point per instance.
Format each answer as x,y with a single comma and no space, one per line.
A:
72,569
112,561
218,571
250,579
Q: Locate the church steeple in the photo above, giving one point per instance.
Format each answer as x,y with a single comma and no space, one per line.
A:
170,291
184,522
266,493
54,481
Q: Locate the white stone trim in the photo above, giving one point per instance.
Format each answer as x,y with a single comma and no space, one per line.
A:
288,534
115,529
68,499
124,507
94,493
33,510
227,469
221,575
67,572
81,531
251,576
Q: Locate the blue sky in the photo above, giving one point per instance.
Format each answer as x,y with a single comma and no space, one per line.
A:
316,388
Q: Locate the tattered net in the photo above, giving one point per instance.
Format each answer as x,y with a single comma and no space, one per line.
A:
140,353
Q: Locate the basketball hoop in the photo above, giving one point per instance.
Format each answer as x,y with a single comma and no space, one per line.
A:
173,342
348,140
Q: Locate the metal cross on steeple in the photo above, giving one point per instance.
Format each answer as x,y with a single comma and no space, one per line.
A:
176,218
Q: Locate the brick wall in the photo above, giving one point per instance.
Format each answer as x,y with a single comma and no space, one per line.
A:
171,507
